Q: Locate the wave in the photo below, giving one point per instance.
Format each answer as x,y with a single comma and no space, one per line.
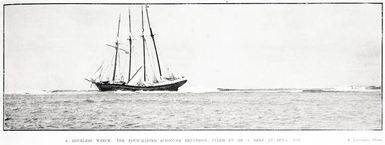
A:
290,90
123,92
41,92
29,92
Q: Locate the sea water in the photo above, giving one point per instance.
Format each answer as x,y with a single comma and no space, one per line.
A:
183,110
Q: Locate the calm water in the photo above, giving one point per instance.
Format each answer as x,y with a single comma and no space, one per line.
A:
216,110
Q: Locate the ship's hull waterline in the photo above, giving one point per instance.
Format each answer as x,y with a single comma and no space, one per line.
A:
115,87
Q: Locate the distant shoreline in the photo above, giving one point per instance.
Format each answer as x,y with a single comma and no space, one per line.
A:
342,89
293,90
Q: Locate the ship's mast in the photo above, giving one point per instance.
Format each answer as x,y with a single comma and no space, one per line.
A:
130,40
153,41
144,49
116,50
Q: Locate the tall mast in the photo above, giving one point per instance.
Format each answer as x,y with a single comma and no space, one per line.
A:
144,49
153,41
116,50
130,39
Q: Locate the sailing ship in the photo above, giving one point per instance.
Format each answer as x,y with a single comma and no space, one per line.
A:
147,82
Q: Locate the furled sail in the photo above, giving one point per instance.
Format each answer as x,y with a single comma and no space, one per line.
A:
134,68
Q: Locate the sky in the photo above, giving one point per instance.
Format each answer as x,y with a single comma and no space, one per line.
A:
51,47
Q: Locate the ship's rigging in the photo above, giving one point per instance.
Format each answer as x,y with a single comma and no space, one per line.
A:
147,75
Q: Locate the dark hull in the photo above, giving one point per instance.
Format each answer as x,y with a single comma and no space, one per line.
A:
115,87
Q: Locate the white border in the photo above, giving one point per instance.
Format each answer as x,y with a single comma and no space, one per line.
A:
306,137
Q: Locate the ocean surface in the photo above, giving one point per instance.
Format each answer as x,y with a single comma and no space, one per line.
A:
183,110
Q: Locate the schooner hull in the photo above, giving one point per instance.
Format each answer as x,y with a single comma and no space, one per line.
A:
115,87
